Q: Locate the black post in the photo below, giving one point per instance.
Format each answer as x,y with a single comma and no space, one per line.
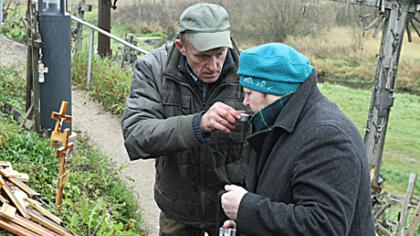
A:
56,56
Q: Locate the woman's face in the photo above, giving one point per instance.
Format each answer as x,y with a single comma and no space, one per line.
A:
255,100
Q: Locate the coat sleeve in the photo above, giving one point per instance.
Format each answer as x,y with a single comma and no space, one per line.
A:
325,181
147,132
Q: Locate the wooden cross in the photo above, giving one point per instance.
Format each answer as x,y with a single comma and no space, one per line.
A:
56,134
62,152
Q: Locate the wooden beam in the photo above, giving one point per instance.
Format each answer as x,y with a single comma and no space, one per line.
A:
9,212
33,226
15,228
28,190
404,212
37,217
37,206
5,164
14,174
12,197
104,22
414,223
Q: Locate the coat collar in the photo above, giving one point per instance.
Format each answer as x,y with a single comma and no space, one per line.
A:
300,102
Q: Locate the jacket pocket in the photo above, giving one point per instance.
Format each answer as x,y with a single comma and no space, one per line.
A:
176,104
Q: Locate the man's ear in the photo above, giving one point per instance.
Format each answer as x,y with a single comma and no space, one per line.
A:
180,46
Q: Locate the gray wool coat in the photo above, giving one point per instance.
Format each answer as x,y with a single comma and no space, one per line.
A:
308,175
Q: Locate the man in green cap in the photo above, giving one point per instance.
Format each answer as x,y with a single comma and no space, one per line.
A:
183,110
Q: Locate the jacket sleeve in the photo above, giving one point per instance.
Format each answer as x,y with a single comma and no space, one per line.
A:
325,181
147,132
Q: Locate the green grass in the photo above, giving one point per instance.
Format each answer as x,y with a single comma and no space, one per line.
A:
12,88
109,82
402,145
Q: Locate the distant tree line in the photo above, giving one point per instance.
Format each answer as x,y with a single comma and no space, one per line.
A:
252,21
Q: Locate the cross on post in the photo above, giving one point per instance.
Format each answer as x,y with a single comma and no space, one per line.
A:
56,134
63,151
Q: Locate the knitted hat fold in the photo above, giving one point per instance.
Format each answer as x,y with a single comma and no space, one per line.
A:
273,68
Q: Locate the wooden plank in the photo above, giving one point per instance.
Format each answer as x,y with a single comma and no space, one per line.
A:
5,164
37,206
14,174
410,190
415,223
37,217
9,212
28,190
15,228
12,197
33,226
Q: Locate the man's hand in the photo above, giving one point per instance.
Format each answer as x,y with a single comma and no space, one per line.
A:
231,200
219,117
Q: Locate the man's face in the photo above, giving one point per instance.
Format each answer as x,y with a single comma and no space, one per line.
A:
255,100
206,65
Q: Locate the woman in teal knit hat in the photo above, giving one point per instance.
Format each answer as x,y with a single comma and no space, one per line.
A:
308,172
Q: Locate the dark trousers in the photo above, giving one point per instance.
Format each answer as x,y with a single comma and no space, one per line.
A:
171,227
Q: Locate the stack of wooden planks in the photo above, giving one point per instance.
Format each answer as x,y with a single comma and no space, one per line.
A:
20,213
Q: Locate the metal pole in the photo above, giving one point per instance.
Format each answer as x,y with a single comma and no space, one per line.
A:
108,34
91,42
1,13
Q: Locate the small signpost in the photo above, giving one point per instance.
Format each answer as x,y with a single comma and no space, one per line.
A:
63,151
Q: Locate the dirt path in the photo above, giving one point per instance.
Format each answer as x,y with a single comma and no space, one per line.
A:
105,134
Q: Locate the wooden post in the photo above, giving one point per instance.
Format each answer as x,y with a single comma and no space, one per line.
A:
35,84
29,79
406,203
415,223
62,152
80,10
104,22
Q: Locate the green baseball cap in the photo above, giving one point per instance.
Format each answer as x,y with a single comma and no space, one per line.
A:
206,25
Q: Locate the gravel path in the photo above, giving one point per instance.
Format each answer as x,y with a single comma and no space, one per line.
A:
105,134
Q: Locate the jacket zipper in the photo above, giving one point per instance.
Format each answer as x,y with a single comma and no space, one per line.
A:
204,106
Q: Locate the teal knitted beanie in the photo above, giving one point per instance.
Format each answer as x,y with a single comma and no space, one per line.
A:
273,68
